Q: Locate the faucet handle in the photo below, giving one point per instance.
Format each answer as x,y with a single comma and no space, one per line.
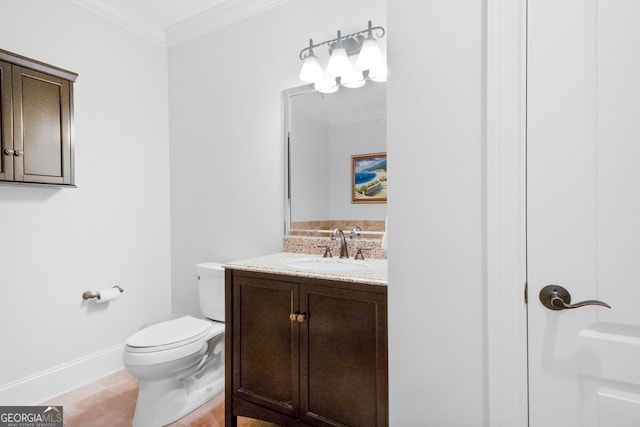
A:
355,233
327,251
359,254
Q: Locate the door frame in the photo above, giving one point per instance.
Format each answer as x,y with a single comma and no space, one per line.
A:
506,255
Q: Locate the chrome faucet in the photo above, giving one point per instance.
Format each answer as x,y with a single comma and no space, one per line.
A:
344,253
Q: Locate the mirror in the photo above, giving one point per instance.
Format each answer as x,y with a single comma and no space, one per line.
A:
322,133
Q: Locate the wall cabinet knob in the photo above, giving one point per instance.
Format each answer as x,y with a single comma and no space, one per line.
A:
7,151
292,317
18,153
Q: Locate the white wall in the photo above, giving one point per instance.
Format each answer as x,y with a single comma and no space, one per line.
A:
112,229
226,131
437,319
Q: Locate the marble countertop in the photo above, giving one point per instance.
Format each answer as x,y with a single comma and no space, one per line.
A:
280,263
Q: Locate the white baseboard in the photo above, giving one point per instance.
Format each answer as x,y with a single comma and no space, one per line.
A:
44,385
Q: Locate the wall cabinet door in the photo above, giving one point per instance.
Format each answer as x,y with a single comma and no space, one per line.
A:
42,127
265,344
6,123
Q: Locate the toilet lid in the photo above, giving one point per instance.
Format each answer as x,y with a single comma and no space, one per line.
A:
169,334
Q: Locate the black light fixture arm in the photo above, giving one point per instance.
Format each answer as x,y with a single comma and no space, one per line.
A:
369,31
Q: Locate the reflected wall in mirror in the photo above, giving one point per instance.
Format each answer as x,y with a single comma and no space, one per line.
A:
322,134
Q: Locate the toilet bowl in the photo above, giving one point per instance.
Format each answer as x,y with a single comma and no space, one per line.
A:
179,363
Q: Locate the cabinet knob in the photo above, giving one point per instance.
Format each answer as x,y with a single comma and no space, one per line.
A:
7,151
18,153
293,317
300,317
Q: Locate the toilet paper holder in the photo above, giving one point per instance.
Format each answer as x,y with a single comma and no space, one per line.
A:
90,295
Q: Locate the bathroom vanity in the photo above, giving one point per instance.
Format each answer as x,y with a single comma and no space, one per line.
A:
306,341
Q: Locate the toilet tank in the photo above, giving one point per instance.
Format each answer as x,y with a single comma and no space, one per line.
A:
211,290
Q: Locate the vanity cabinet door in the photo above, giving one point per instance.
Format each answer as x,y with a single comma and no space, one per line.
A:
343,357
6,128
265,343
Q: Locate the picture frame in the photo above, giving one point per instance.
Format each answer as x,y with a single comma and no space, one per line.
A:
369,178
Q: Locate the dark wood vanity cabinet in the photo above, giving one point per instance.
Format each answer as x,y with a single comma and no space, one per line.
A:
303,351
35,121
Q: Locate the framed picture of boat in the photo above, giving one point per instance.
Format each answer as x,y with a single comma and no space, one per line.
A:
369,178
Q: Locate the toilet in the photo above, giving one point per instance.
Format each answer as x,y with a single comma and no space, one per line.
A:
179,363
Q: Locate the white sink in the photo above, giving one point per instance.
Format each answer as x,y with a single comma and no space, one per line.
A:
327,264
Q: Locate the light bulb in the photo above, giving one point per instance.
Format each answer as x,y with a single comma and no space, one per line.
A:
370,54
311,70
378,73
338,63
326,85
353,79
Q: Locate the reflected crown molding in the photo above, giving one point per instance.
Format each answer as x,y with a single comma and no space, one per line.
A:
313,115
343,119
366,116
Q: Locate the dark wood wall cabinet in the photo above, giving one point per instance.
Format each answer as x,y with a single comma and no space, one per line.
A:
36,120
304,351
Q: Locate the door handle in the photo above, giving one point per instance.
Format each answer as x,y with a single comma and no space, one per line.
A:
555,297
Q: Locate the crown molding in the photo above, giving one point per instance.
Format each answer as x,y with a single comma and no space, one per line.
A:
126,19
216,18
199,25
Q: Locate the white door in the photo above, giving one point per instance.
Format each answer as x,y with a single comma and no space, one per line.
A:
583,210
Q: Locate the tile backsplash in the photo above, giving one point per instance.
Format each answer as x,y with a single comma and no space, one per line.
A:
313,237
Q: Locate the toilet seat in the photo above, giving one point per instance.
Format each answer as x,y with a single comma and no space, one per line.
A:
169,334
170,340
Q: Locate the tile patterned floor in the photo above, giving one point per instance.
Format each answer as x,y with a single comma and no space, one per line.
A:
111,401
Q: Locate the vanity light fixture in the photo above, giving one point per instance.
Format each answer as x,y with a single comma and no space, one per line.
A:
341,70
311,70
370,53
339,60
